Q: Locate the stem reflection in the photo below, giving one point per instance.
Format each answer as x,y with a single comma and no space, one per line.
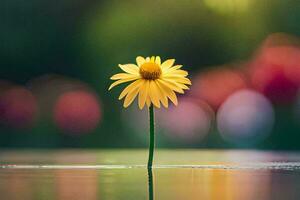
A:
150,183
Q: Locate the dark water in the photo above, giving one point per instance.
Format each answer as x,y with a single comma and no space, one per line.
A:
115,175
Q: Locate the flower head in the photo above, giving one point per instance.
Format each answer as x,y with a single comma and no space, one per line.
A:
152,81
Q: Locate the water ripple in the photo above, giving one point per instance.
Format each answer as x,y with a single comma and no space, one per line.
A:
235,166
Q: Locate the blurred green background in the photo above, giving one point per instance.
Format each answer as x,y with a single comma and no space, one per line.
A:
49,48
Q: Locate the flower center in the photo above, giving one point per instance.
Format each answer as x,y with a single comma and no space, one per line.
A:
150,70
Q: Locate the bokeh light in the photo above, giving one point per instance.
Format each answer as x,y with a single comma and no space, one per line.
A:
77,112
18,107
228,6
225,45
49,87
71,104
245,118
214,86
275,69
189,122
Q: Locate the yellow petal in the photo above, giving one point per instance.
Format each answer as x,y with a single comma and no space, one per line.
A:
130,87
176,73
168,92
158,60
130,68
167,64
171,85
173,98
148,59
131,96
163,98
182,86
182,80
154,94
121,81
122,76
148,101
152,59
143,93
171,69
140,60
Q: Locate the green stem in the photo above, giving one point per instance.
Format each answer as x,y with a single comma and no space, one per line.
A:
151,146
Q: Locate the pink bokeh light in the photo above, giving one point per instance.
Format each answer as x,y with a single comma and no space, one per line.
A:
246,117
190,121
275,68
214,86
18,107
77,112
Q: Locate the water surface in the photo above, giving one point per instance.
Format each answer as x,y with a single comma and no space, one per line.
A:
119,174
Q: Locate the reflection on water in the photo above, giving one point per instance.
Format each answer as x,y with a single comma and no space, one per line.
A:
276,178
81,185
150,183
139,184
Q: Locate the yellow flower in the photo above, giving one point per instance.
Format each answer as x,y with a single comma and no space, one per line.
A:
154,82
